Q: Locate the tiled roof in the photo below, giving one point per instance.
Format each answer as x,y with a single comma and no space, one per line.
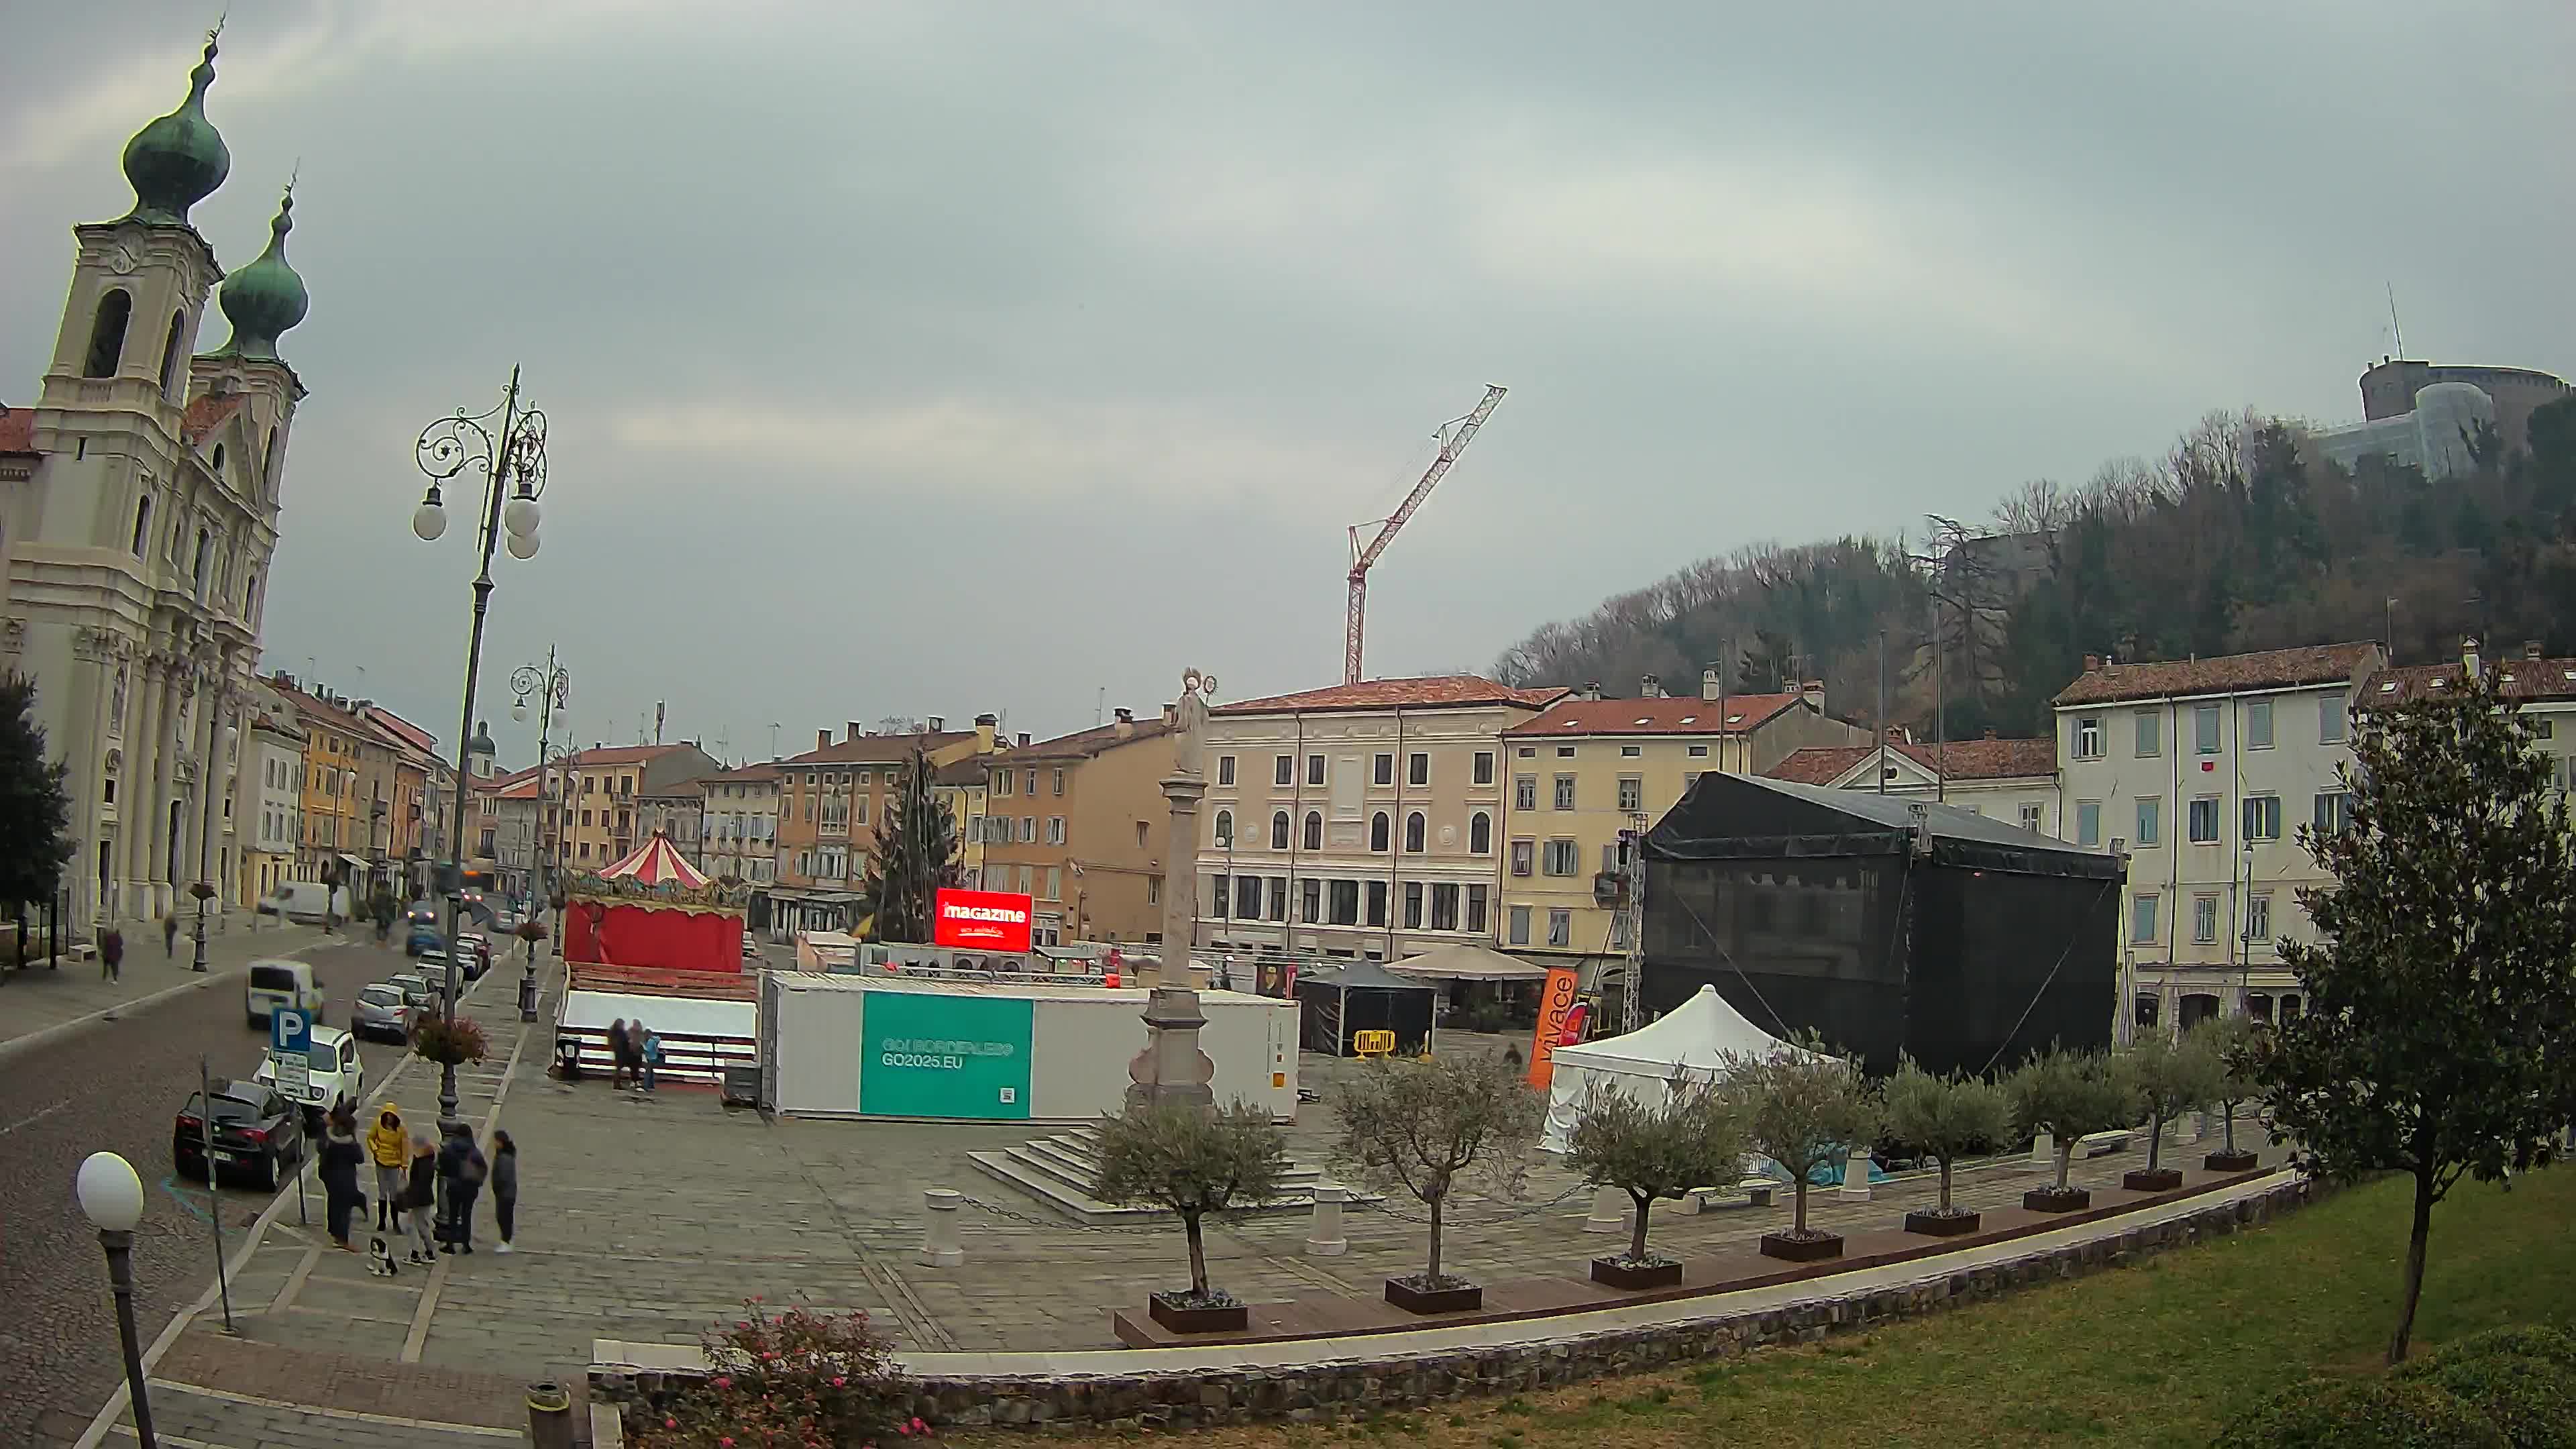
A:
1083,744
508,785
878,749
17,430
748,774
208,413
1666,716
2227,673
1957,760
623,754
1428,692
966,772
2515,678
402,729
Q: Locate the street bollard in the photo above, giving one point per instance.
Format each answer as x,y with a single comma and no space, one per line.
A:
940,1247
2043,1151
1324,1238
1609,1212
549,1416
1856,1173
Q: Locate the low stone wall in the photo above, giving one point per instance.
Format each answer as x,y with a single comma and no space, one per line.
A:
1330,1389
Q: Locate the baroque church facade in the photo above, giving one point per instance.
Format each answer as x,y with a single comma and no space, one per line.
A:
138,515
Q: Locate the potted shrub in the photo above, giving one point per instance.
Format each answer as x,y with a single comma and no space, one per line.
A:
2167,1078
2068,1094
449,1043
1945,1118
2233,1042
1800,1107
1415,1126
1192,1163
1692,1138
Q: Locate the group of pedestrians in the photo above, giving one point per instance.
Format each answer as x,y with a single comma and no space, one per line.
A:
436,1183
636,1053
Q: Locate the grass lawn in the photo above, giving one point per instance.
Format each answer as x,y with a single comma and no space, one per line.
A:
2159,1354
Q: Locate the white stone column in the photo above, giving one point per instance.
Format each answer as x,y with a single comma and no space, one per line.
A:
1324,1239
203,859
1610,1208
135,807
1172,1068
86,748
177,691
1856,1173
940,1245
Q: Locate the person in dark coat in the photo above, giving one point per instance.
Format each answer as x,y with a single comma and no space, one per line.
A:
617,1053
461,1170
339,1162
420,1197
505,1188
111,954
170,935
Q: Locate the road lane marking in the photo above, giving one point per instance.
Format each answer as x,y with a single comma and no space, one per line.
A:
324,1411
38,1117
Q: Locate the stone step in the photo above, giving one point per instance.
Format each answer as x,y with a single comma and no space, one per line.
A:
1078,1168
1050,1181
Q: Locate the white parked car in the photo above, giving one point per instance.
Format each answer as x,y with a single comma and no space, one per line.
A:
333,1072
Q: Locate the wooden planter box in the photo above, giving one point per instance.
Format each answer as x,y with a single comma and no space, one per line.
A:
1612,1272
1941,1225
2230,1162
1183,1318
1801,1250
2161,1179
1462,1299
2050,1200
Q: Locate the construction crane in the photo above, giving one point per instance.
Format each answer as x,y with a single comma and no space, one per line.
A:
1454,436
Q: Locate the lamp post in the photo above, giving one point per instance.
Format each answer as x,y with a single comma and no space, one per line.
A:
508,446
552,687
111,1197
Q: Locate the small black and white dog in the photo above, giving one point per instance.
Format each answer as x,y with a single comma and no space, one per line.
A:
380,1258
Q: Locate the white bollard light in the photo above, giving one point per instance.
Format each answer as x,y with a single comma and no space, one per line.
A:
940,1247
1609,1211
1856,1173
1324,1239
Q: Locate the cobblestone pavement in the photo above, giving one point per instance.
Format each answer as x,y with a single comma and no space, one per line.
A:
39,998
646,1218
260,1290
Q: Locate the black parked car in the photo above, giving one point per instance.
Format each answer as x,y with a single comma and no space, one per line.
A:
256,1131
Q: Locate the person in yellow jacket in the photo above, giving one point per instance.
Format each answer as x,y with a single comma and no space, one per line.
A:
389,1148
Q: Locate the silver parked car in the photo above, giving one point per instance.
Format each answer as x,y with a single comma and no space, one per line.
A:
382,1011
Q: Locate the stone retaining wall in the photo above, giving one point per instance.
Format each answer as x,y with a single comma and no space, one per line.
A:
1324,1390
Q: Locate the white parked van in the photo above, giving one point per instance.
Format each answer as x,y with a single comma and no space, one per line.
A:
274,984
305,900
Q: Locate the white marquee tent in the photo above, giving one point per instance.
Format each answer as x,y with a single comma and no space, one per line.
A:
1693,1037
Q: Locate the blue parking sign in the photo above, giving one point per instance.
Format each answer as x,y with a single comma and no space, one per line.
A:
290,1031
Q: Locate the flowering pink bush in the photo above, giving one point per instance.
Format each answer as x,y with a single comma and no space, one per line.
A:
797,1379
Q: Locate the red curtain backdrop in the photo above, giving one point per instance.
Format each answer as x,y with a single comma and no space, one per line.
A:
628,935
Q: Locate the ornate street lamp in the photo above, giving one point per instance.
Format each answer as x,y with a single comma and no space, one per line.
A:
508,446
111,1197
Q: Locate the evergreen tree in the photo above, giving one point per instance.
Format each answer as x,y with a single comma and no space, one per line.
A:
915,857
2439,997
35,811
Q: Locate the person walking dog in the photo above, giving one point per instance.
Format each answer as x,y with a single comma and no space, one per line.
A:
339,1168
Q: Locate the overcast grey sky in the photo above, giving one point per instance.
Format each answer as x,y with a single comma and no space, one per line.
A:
933,358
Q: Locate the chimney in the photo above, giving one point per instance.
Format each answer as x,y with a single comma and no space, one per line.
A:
938,724
1126,724
2092,663
855,731
1813,689
1024,739
1650,687
2469,655
985,725
1592,690
822,739
2531,649
1708,685
1171,714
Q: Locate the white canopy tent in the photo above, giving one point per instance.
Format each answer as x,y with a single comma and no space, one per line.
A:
1693,1037
1467,962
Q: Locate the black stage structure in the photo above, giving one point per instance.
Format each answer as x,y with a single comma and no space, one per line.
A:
1363,996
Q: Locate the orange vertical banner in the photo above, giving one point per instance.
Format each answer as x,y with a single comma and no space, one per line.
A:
1553,1004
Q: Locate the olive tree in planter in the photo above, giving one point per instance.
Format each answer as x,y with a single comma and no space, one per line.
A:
1416,1125
1192,1163
2167,1078
1945,1118
2067,1095
1693,1138
1801,1107
2232,1042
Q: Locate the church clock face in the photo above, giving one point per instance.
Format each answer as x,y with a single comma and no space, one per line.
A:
123,260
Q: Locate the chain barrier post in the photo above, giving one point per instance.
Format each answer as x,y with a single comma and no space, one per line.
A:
940,1246
1325,1238
1609,1211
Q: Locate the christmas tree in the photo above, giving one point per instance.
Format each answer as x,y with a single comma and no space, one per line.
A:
915,857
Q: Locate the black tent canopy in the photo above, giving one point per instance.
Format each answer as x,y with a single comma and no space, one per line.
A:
1885,924
1334,1006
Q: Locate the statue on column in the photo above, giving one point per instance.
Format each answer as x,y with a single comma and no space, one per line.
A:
1172,1068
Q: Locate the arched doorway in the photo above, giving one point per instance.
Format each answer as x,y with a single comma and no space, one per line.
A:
2196,1008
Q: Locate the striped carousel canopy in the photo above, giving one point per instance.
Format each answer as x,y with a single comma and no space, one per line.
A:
656,863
